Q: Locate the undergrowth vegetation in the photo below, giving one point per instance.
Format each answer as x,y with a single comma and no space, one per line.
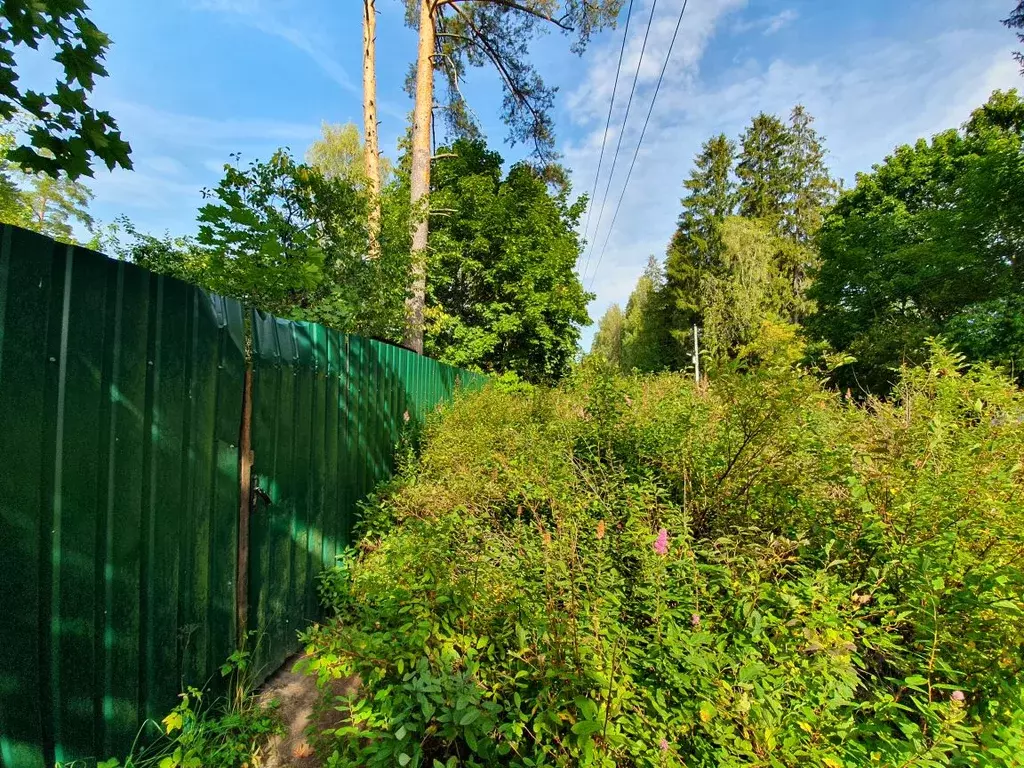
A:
644,572
207,731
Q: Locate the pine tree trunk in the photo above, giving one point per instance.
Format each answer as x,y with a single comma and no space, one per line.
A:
420,181
371,147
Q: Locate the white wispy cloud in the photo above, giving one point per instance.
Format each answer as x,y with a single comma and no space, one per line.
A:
274,19
158,127
589,101
176,155
766,25
867,96
780,20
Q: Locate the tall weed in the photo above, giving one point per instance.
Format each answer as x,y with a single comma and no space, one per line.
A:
643,572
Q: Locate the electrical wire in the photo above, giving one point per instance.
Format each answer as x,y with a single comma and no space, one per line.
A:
618,143
608,122
643,133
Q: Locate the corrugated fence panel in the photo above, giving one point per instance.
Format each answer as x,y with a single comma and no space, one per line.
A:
328,412
121,399
120,395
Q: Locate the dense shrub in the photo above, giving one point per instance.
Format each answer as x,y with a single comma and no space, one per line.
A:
638,571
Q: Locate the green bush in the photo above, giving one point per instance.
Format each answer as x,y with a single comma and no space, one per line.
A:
641,572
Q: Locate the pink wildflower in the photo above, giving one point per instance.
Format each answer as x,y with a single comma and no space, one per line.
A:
661,543
957,696
695,619
664,745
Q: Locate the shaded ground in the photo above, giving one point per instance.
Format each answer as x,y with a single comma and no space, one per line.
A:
297,698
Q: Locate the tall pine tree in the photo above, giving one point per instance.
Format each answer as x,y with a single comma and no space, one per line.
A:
696,247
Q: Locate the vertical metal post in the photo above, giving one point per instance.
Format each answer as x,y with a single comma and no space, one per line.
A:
696,355
245,459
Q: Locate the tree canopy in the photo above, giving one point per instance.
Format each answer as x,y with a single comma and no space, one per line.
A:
46,204
743,248
607,343
454,34
930,242
504,294
696,247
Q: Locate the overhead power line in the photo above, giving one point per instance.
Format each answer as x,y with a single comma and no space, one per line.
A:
618,143
643,132
608,122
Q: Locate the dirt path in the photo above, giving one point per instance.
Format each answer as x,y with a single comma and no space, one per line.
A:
297,698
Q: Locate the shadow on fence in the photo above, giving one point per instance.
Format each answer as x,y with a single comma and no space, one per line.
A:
121,401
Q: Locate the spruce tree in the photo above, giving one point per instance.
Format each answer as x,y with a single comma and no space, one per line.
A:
696,247
813,188
811,191
763,169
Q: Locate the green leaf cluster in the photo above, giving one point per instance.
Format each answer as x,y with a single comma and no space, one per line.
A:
66,135
36,201
287,238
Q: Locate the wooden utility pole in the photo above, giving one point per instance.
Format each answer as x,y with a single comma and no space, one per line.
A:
371,143
420,181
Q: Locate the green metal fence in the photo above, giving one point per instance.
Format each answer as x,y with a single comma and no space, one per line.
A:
328,412
121,412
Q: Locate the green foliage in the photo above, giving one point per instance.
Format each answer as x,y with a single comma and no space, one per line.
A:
338,154
230,733
36,201
65,134
54,203
608,339
643,572
503,293
646,343
696,247
744,247
813,190
276,231
763,168
753,287
930,242
12,202
179,257
284,238
211,739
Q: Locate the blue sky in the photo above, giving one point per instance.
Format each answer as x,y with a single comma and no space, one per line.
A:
194,80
